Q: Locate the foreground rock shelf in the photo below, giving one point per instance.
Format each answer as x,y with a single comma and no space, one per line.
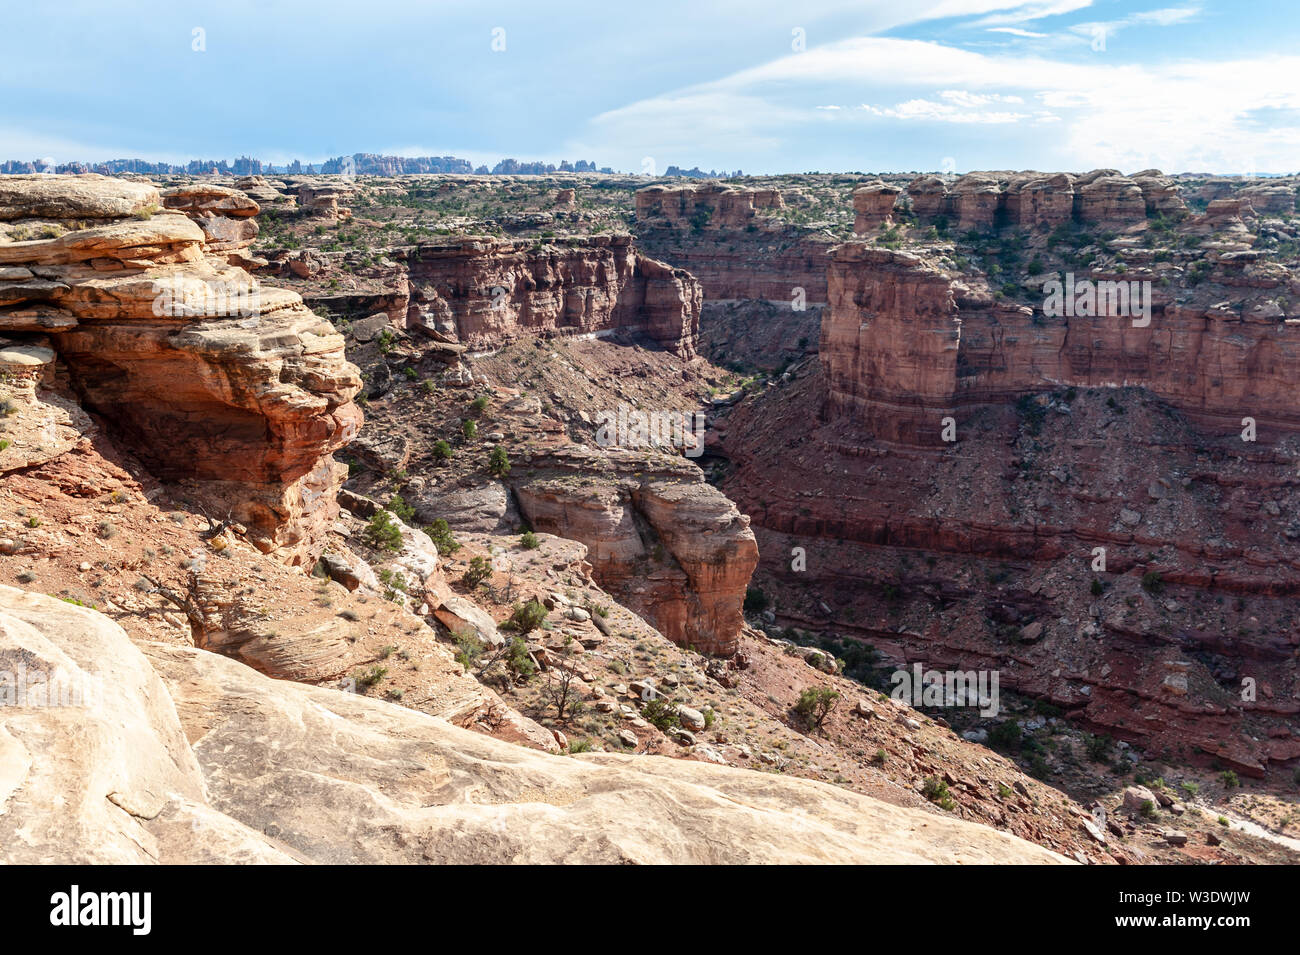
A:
183,756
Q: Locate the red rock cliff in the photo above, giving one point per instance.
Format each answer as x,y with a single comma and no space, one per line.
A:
209,379
483,292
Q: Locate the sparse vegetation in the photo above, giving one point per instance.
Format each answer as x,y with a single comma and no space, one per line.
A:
498,462
479,570
815,705
382,533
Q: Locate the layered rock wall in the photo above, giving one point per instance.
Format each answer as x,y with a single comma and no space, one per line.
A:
210,380
905,343
724,237
983,201
484,292
667,545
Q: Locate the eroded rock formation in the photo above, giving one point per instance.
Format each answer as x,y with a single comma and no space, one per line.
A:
210,379
984,201
667,545
483,292
873,206
906,342
727,238
1010,443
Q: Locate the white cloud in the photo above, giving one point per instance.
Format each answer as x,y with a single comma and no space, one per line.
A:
926,109
1166,17
1177,115
1034,11
1016,31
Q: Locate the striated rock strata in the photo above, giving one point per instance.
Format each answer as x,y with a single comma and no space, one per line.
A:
726,237
906,343
210,379
484,292
665,544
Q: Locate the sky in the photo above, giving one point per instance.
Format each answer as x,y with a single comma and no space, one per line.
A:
818,85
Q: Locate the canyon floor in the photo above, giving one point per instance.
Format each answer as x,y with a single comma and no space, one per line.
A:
363,558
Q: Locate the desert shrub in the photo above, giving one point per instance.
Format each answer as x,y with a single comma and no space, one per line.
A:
468,648
518,660
1006,735
526,618
815,704
440,533
661,714
382,533
936,790
480,569
397,504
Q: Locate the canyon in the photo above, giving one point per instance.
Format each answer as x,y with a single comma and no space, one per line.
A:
331,445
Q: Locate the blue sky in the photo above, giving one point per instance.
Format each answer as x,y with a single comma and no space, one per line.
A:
1183,85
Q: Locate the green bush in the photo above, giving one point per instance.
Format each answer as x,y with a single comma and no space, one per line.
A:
442,451
1099,748
397,504
381,533
480,569
1006,735
526,617
518,662
815,704
469,648
661,713
936,790
440,533
528,541
498,462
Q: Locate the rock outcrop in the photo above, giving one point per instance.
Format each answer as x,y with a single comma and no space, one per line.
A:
225,215
174,755
1040,201
36,423
485,292
727,238
873,206
664,543
906,343
984,201
209,379
1011,443
976,198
